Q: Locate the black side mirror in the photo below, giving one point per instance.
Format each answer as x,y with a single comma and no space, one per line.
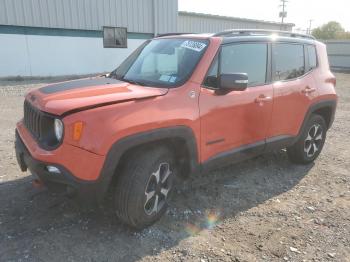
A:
233,82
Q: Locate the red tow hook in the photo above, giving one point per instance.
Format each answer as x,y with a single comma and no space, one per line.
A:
37,183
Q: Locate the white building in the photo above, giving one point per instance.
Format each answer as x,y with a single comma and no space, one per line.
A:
51,37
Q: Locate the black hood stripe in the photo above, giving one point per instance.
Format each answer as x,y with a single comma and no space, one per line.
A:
51,89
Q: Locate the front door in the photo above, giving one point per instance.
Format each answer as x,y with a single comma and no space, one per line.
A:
238,120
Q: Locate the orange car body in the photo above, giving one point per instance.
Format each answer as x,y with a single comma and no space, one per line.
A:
113,111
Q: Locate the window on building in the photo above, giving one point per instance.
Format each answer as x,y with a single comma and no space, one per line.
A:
312,57
114,37
289,61
245,58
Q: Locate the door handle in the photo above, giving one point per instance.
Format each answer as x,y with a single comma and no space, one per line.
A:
262,98
308,90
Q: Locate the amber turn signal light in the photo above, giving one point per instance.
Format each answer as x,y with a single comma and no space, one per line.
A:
77,130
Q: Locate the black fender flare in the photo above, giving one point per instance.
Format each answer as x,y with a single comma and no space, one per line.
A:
123,145
312,109
287,141
282,141
316,106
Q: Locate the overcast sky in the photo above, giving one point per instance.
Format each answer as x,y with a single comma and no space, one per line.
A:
299,11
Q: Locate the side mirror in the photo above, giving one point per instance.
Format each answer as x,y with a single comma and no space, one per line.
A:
233,82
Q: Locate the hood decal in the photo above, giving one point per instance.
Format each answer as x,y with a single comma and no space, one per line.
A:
81,83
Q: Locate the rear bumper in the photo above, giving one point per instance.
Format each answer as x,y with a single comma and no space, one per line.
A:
65,181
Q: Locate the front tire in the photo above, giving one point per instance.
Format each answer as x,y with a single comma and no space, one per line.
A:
144,186
311,141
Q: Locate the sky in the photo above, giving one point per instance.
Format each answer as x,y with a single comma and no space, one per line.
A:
299,12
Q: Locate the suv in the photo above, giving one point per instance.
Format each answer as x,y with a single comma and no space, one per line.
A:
178,105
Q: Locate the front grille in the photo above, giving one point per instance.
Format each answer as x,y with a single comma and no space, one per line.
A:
33,120
40,125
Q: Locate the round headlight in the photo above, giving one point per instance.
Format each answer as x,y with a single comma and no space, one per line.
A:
58,129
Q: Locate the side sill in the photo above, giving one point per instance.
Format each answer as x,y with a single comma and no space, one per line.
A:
247,151
279,142
233,156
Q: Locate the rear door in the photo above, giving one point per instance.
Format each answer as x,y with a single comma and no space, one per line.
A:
294,88
237,120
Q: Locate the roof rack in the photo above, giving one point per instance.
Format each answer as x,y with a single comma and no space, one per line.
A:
169,34
242,32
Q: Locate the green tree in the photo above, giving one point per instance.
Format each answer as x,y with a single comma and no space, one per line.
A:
331,30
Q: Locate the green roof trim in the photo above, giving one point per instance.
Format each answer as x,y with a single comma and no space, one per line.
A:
26,30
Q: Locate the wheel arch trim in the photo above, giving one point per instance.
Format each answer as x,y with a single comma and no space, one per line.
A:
332,104
282,141
120,147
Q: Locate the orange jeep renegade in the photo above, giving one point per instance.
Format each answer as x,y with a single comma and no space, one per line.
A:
178,105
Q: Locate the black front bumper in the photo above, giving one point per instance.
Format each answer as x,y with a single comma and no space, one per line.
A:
63,182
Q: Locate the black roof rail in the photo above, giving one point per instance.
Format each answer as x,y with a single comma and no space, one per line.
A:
242,32
169,34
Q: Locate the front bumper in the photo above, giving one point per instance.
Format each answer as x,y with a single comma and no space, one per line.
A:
83,164
65,181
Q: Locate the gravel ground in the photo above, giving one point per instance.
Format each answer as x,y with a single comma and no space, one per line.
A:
264,209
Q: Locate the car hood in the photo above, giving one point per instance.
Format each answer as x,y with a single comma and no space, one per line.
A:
71,96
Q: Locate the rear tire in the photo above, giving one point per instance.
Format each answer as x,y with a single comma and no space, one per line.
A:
144,186
310,143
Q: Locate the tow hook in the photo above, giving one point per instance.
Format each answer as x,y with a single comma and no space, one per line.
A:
37,183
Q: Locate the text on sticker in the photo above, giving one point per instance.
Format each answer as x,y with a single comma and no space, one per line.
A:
193,45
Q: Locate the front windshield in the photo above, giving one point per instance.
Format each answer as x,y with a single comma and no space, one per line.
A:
162,62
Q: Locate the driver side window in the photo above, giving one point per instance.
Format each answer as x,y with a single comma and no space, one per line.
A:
249,58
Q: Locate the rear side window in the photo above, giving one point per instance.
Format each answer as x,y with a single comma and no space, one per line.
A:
312,57
289,61
245,58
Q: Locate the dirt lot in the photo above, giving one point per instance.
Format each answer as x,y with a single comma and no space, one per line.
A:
265,209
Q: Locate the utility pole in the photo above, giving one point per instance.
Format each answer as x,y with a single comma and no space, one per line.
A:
309,29
283,14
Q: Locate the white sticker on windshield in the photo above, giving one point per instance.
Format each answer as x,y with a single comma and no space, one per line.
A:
164,78
193,45
172,79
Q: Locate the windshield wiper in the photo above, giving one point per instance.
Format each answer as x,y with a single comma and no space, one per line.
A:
132,82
